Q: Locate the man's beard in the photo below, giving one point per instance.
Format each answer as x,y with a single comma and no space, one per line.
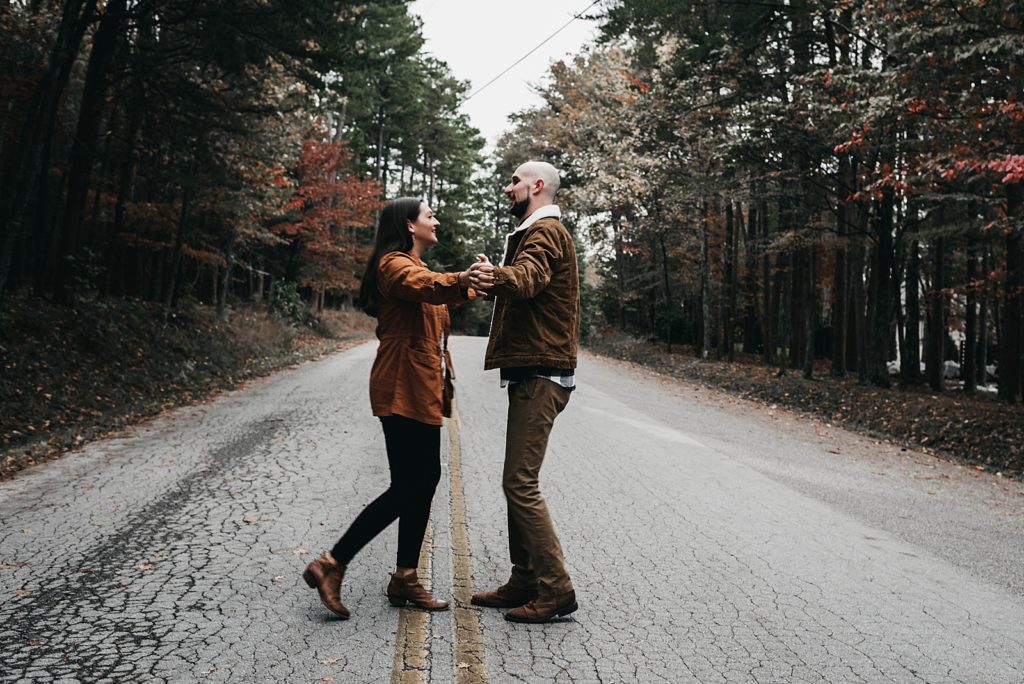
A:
519,208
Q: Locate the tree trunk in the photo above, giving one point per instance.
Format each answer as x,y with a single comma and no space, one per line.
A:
729,300
810,311
379,171
770,297
969,357
83,149
668,289
170,297
910,361
45,243
620,269
38,130
215,286
49,237
858,312
652,289
1013,298
935,363
225,283
880,305
750,324
839,296
782,299
846,180
126,179
156,280
796,309
982,365
705,293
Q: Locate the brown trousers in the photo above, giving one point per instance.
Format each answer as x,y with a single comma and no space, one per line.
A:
536,554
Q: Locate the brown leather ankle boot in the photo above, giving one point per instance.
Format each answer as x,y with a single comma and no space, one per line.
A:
325,575
402,589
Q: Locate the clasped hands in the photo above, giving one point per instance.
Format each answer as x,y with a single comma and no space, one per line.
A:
480,275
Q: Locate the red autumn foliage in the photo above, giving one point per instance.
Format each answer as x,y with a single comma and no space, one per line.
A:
332,205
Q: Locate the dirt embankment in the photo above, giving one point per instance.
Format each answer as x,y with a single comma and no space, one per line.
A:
70,375
976,429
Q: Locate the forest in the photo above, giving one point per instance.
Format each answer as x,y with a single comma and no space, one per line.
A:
222,152
798,180
803,179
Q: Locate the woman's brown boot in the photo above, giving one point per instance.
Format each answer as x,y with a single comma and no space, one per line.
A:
325,575
407,588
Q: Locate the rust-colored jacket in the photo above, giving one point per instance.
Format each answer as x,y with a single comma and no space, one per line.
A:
408,378
536,318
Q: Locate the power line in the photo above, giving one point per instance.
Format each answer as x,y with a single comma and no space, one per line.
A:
535,48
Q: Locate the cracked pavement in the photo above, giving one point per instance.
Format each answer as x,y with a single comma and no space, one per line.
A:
710,540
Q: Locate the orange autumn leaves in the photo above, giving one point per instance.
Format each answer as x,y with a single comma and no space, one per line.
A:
330,205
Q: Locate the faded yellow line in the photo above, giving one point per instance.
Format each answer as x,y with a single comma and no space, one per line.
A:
467,649
412,645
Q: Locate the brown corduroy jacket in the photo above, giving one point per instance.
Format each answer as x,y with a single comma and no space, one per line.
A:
412,374
536,318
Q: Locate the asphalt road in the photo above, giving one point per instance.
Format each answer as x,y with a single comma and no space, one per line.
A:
710,540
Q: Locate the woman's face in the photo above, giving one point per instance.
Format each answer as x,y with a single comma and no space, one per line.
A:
424,229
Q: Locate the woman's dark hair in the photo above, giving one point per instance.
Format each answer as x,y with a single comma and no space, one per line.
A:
392,236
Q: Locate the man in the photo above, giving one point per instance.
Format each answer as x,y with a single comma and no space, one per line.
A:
533,340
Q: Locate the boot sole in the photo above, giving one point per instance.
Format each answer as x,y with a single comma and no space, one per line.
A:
401,602
562,612
499,604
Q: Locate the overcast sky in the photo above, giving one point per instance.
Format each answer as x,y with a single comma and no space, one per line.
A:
480,38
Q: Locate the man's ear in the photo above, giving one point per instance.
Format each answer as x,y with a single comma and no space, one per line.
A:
538,186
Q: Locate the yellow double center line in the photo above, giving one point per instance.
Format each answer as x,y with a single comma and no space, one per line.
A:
412,645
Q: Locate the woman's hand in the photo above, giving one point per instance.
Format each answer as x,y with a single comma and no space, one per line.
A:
481,274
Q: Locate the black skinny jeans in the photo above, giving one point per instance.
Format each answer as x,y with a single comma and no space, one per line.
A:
414,457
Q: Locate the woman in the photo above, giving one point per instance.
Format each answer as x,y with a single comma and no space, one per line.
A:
410,391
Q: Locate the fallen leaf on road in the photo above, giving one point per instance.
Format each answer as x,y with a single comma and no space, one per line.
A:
34,642
329,678
278,578
299,552
144,566
249,519
329,661
12,566
22,592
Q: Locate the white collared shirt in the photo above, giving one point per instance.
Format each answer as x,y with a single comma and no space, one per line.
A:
547,211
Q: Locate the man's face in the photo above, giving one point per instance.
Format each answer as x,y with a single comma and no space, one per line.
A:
518,193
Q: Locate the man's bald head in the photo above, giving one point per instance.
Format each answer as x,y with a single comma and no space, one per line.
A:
542,170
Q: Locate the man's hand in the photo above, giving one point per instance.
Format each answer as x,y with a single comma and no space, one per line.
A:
481,274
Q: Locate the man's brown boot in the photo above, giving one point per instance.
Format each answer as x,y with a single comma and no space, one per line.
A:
325,575
407,588
544,608
503,597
